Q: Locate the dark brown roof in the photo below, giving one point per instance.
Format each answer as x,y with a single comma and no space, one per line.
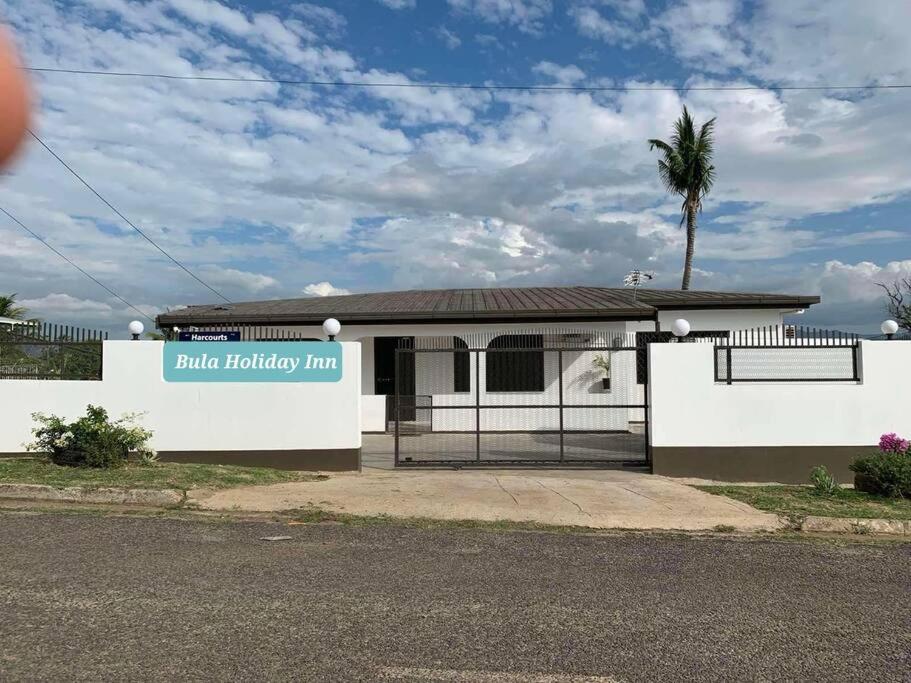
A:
455,305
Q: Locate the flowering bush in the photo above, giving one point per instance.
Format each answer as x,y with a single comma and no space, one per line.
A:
92,440
887,473
893,443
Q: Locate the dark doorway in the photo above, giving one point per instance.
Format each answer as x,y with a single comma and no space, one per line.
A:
384,379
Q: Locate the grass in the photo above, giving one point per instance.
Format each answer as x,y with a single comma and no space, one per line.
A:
801,501
157,476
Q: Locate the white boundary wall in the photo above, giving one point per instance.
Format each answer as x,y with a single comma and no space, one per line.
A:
689,409
201,416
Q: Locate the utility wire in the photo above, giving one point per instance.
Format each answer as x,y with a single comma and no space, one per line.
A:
68,260
128,221
465,86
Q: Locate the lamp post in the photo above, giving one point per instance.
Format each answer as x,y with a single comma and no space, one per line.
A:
331,327
135,328
889,328
680,328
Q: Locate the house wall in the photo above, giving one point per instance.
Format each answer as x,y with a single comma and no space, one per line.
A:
303,425
771,431
581,382
581,386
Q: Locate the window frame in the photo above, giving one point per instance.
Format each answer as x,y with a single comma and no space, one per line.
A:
534,356
461,367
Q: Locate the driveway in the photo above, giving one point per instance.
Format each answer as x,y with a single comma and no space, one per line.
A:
601,499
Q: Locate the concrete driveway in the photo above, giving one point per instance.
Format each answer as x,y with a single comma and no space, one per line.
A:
604,499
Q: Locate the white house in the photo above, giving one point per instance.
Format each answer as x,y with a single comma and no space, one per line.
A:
459,373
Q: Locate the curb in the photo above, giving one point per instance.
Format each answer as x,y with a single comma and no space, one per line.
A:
77,494
843,525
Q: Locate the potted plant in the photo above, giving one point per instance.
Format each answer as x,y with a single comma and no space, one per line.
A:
602,362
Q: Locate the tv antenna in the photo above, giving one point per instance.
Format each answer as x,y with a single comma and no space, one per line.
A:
636,278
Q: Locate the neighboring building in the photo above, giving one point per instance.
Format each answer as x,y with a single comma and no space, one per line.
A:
529,318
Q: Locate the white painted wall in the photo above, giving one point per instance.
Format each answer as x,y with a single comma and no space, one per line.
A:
583,387
196,416
688,408
373,413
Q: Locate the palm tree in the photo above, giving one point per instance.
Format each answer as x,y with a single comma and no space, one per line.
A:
9,309
687,170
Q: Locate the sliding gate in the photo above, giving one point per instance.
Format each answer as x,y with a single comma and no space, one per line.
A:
520,402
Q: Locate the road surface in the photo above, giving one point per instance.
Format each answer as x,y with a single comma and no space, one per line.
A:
116,598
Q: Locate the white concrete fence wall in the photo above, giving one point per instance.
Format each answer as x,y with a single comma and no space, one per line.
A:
258,421
772,431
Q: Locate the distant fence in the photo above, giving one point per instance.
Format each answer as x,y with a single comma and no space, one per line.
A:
786,353
33,350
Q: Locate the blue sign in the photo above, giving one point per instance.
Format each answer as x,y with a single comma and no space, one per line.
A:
209,336
252,362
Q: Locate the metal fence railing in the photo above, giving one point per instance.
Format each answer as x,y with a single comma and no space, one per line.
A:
245,332
33,350
787,353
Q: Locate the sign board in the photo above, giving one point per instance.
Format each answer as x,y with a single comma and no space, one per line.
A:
209,336
252,362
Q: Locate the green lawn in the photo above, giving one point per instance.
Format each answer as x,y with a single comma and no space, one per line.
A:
803,501
158,476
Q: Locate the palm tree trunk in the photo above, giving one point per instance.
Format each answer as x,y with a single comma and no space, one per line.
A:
690,243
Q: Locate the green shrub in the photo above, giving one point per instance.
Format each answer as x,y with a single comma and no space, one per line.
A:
92,440
884,474
823,482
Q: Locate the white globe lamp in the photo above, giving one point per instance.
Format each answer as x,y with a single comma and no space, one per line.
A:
889,327
680,328
332,327
136,328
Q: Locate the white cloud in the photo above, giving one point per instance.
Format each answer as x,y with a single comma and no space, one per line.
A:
399,4
849,42
859,282
63,304
238,279
591,23
529,16
214,14
564,75
450,39
324,289
705,32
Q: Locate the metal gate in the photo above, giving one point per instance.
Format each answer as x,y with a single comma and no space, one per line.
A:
521,401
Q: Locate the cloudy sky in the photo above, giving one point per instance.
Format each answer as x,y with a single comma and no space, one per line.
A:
271,191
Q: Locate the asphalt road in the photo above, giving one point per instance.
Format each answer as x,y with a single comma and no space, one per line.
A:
92,598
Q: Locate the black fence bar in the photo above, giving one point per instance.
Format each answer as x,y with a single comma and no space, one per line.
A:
560,385
513,406
397,404
786,367
477,405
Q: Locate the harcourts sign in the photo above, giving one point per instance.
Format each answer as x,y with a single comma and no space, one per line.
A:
252,362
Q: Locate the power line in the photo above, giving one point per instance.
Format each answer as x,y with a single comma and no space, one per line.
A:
128,221
467,86
68,260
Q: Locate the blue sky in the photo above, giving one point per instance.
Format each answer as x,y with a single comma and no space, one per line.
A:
274,191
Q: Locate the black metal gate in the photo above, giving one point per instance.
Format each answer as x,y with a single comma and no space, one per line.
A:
519,402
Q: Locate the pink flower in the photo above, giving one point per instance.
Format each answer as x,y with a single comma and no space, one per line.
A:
893,443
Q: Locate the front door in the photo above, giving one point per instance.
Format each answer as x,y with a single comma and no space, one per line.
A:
384,379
